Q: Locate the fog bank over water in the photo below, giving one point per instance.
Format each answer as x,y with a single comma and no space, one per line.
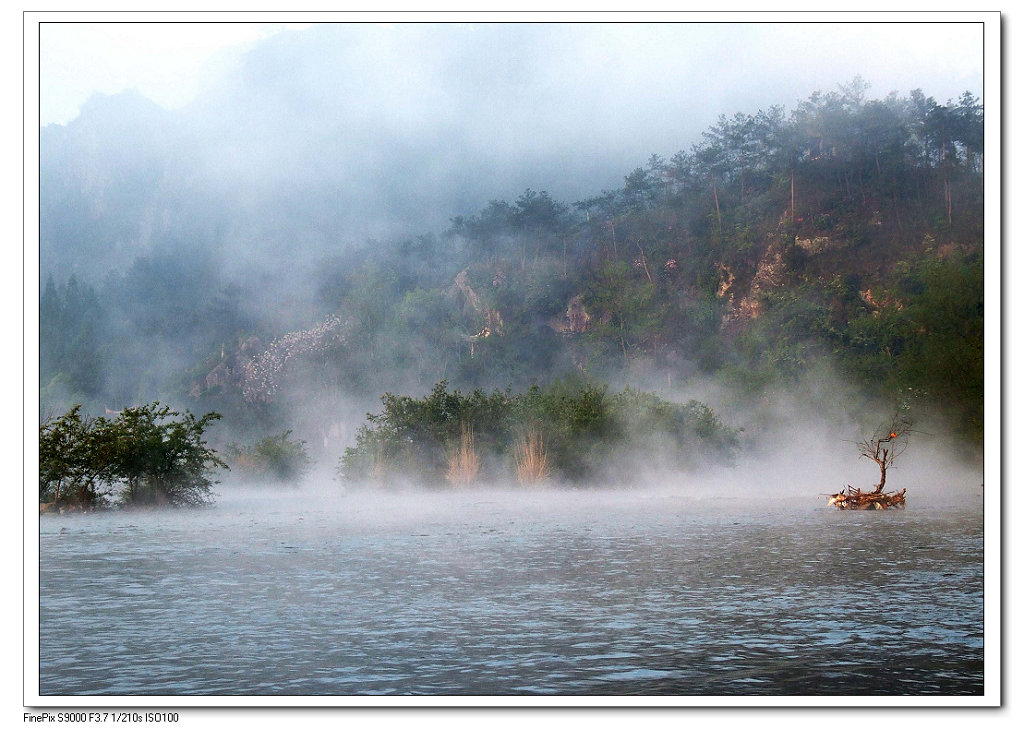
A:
488,593
796,444
800,476
231,229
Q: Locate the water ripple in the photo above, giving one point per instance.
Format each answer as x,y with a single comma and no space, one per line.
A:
455,598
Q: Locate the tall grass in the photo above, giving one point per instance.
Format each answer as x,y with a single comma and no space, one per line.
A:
531,458
463,461
379,469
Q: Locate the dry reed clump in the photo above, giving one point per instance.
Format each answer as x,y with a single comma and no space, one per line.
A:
379,470
463,462
531,458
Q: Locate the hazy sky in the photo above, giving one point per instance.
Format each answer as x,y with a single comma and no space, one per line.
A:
733,66
167,62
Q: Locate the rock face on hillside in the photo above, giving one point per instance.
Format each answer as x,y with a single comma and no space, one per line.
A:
577,316
876,304
230,371
814,245
575,320
771,273
258,371
489,319
743,307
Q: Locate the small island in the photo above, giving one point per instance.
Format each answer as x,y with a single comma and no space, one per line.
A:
883,449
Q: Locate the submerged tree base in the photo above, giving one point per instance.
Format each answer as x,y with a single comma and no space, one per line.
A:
851,498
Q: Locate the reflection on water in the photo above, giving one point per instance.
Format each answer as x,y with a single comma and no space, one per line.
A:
498,593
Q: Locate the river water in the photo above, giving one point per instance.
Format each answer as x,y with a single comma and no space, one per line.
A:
501,593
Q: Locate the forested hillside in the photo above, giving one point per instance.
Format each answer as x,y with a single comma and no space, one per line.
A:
847,232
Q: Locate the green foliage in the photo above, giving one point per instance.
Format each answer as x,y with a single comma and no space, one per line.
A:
75,460
415,434
921,329
148,455
693,433
163,460
660,274
274,459
575,419
70,335
585,432
944,347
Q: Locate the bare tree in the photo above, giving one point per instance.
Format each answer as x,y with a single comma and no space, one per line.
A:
887,445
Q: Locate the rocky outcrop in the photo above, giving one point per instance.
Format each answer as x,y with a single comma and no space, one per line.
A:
230,371
577,315
263,374
575,320
814,245
876,304
258,371
725,283
464,294
769,275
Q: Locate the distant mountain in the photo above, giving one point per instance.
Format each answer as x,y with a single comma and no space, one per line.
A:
221,254
319,139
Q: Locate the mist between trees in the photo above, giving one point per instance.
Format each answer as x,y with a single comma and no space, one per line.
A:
846,235
568,432
571,432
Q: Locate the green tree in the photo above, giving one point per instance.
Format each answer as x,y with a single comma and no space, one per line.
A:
161,459
74,460
585,432
621,301
276,458
145,453
71,330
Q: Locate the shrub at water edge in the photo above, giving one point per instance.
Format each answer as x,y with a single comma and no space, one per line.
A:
569,431
148,455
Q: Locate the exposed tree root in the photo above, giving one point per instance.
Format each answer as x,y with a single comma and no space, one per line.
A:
851,498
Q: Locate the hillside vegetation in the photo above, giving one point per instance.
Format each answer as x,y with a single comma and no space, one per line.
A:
848,231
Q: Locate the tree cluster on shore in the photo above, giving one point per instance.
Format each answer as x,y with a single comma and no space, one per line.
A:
276,459
146,456
571,432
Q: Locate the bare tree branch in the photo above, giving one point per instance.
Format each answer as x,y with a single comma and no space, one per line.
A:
888,444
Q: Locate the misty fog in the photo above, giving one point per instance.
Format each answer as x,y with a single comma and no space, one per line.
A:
327,161
514,359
